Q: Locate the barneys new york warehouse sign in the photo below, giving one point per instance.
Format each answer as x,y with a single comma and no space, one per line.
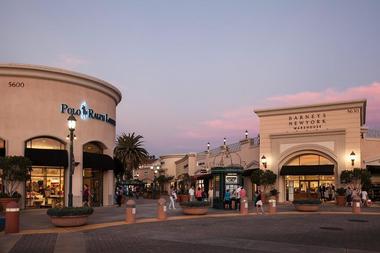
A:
84,112
307,121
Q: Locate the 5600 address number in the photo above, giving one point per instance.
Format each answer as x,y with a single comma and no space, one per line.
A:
16,84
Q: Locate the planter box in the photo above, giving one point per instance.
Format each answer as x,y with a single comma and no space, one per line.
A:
195,210
69,221
183,198
341,200
307,207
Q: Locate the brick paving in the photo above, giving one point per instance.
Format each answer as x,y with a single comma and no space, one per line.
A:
39,243
258,233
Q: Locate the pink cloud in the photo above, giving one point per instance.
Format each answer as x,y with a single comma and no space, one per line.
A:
233,123
370,92
69,61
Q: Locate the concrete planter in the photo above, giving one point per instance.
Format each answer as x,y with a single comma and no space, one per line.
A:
69,221
307,207
195,210
5,201
341,200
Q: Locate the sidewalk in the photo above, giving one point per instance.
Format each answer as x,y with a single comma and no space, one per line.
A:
146,210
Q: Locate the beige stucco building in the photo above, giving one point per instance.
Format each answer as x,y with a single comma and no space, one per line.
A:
36,103
305,146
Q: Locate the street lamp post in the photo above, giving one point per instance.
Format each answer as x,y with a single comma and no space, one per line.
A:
71,122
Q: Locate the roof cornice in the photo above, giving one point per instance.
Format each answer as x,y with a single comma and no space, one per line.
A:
49,73
362,103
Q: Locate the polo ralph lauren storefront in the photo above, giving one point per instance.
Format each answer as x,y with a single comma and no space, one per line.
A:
34,109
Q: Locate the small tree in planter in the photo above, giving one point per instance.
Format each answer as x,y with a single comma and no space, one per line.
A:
357,178
263,178
14,170
341,196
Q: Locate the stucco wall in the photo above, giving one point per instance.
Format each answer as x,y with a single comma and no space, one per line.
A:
35,110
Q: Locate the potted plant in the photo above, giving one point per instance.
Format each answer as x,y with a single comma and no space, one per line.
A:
195,207
69,216
307,205
263,178
341,197
14,170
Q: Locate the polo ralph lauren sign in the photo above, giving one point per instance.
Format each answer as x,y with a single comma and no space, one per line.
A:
85,112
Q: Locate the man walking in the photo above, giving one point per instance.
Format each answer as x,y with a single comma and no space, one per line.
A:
191,193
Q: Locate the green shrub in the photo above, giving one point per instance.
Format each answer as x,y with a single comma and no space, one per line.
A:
195,204
70,211
307,202
341,191
7,195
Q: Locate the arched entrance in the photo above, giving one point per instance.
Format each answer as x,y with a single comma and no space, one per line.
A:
306,174
95,163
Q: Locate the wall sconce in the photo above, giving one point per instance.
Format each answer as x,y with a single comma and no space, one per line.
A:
352,157
246,134
264,161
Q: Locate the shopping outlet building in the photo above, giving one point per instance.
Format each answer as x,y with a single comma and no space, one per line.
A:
35,105
305,146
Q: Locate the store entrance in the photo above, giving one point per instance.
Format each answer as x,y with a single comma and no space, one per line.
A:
94,179
303,187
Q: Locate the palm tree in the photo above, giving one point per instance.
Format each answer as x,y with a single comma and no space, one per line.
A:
129,150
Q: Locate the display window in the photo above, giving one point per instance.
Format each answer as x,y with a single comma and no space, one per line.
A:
45,187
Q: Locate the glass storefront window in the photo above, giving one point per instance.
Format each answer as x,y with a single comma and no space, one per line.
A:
45,143
45,187
92,147
301,187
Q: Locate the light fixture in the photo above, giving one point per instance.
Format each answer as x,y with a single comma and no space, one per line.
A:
246,134
208,146
224,141
352,157
151,167
71,122
264,161
155,171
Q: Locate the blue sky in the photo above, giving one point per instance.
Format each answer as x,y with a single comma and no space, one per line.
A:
192,72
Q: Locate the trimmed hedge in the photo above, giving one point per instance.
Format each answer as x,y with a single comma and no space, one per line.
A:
69,211
307,202
195,204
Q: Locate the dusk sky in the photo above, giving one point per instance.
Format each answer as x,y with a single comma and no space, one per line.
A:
192,72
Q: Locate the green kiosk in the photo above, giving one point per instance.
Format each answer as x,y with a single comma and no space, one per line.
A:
225,178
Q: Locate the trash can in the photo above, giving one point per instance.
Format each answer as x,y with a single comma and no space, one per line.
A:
2,223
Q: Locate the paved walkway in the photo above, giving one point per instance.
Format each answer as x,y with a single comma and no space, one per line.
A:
254,233
36,219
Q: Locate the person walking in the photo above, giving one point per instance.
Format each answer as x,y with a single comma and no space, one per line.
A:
191,193
86,195
198,194
364,198
259,203
119,196
173,197
238,196
227,199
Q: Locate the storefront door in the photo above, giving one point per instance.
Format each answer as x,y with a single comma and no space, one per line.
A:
94,179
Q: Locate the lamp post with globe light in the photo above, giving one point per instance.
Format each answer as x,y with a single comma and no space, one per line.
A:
71,122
